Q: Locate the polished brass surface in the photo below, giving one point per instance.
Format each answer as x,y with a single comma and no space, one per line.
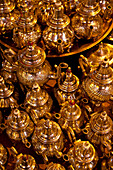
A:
82,155
19,126
26,29
38,103
87,23
32,66
71,116
98,84
67,86
55,166
7,17
58,35
48,139
44,9
6,94
3,157
99,130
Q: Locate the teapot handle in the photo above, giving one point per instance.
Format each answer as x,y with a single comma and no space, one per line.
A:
71,134
106,143
83,61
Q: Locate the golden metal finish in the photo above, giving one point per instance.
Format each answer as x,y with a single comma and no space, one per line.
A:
7,17
23,161
99,130
98,84
58,35
82,155
6,94
55,166
96,58
26,29
32,66
70,116
48,139
38,103
19,126
67,86
3,156
87,23
44,8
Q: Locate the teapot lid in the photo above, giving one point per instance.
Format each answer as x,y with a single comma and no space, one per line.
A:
102,52
3,155
71,111
6,6
25,162
101,123
88,8
103,74
32,56
55,166
98,85
68,82
48,131
84,151
18,120
58,20
6,89
37,96
26,20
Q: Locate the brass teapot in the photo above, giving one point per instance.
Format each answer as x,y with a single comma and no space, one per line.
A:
3,157
82,156
87,22
33,67
23,161
107,164
7,17
26,29
38,103
7,93
95,58
55,166
58,35
99,130
19,126
70,116
67,86
98,84
44,8
48,139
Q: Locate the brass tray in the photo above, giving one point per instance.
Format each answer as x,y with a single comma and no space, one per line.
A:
78,47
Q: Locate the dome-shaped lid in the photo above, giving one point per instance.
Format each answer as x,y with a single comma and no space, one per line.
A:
84,152
58,20
6,6
100,54
48,131
6,89
99,83
26,20
18,120
71,111
68,82
26,162
32,56
101,123
3,155
88,8
37,96
55,166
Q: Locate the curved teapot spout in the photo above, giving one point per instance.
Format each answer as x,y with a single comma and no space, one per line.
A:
83,61
71,134
107,143
56,75
14,152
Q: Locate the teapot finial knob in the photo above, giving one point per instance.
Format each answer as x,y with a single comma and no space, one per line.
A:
103,115
86,145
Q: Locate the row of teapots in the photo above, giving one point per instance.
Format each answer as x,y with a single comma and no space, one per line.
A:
59,35
30,66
